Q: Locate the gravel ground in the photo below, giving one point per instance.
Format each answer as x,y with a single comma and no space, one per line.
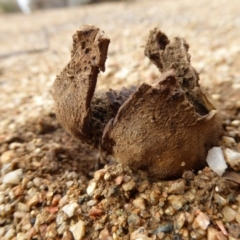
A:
49,186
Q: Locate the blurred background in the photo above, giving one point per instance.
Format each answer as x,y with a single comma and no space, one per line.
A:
26,6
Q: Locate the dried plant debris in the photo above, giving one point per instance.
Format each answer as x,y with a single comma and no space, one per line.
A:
162,128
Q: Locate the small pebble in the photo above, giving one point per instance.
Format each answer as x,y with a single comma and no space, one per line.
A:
91,187
13,177
15,145
235,123
233,159
69,184
61,217
33,201
56,199
197,234
164,228
177,201
229,142
154,198
216,161
119,180
107,176
177,187
78,230
129,185
139,203
37,182
22,207
170,211
70,209
140,234
7,157
95,212
201,221
184,233
63,201
67,236
213,234
92,202
220,200
104,235
238,218
99,174
229,214
180,220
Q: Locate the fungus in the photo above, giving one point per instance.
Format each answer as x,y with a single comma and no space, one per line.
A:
162,128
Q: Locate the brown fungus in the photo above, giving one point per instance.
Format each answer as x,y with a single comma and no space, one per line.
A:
163,129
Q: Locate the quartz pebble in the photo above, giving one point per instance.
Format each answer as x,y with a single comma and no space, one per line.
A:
213,234
220,200
177,187
37,181
140,234
139,203
235,123
216,161
91,187
22,207
180,220
13,177
201,221
170,211
67,236
233,159
238,218
177,201
33,201
228,142
229,214
99,174
78,230
129,185
7,157
70,209
104,235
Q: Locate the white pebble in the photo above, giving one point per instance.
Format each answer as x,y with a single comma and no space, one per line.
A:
180,220
139,203
140,234
91,187
10,234
13,177
235,123
37,182
233,159
69,184
201,221
78,230
128,186
70,209
229,214
229,141
215,160
7,157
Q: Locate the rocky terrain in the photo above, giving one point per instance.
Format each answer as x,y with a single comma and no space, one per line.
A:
53,186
